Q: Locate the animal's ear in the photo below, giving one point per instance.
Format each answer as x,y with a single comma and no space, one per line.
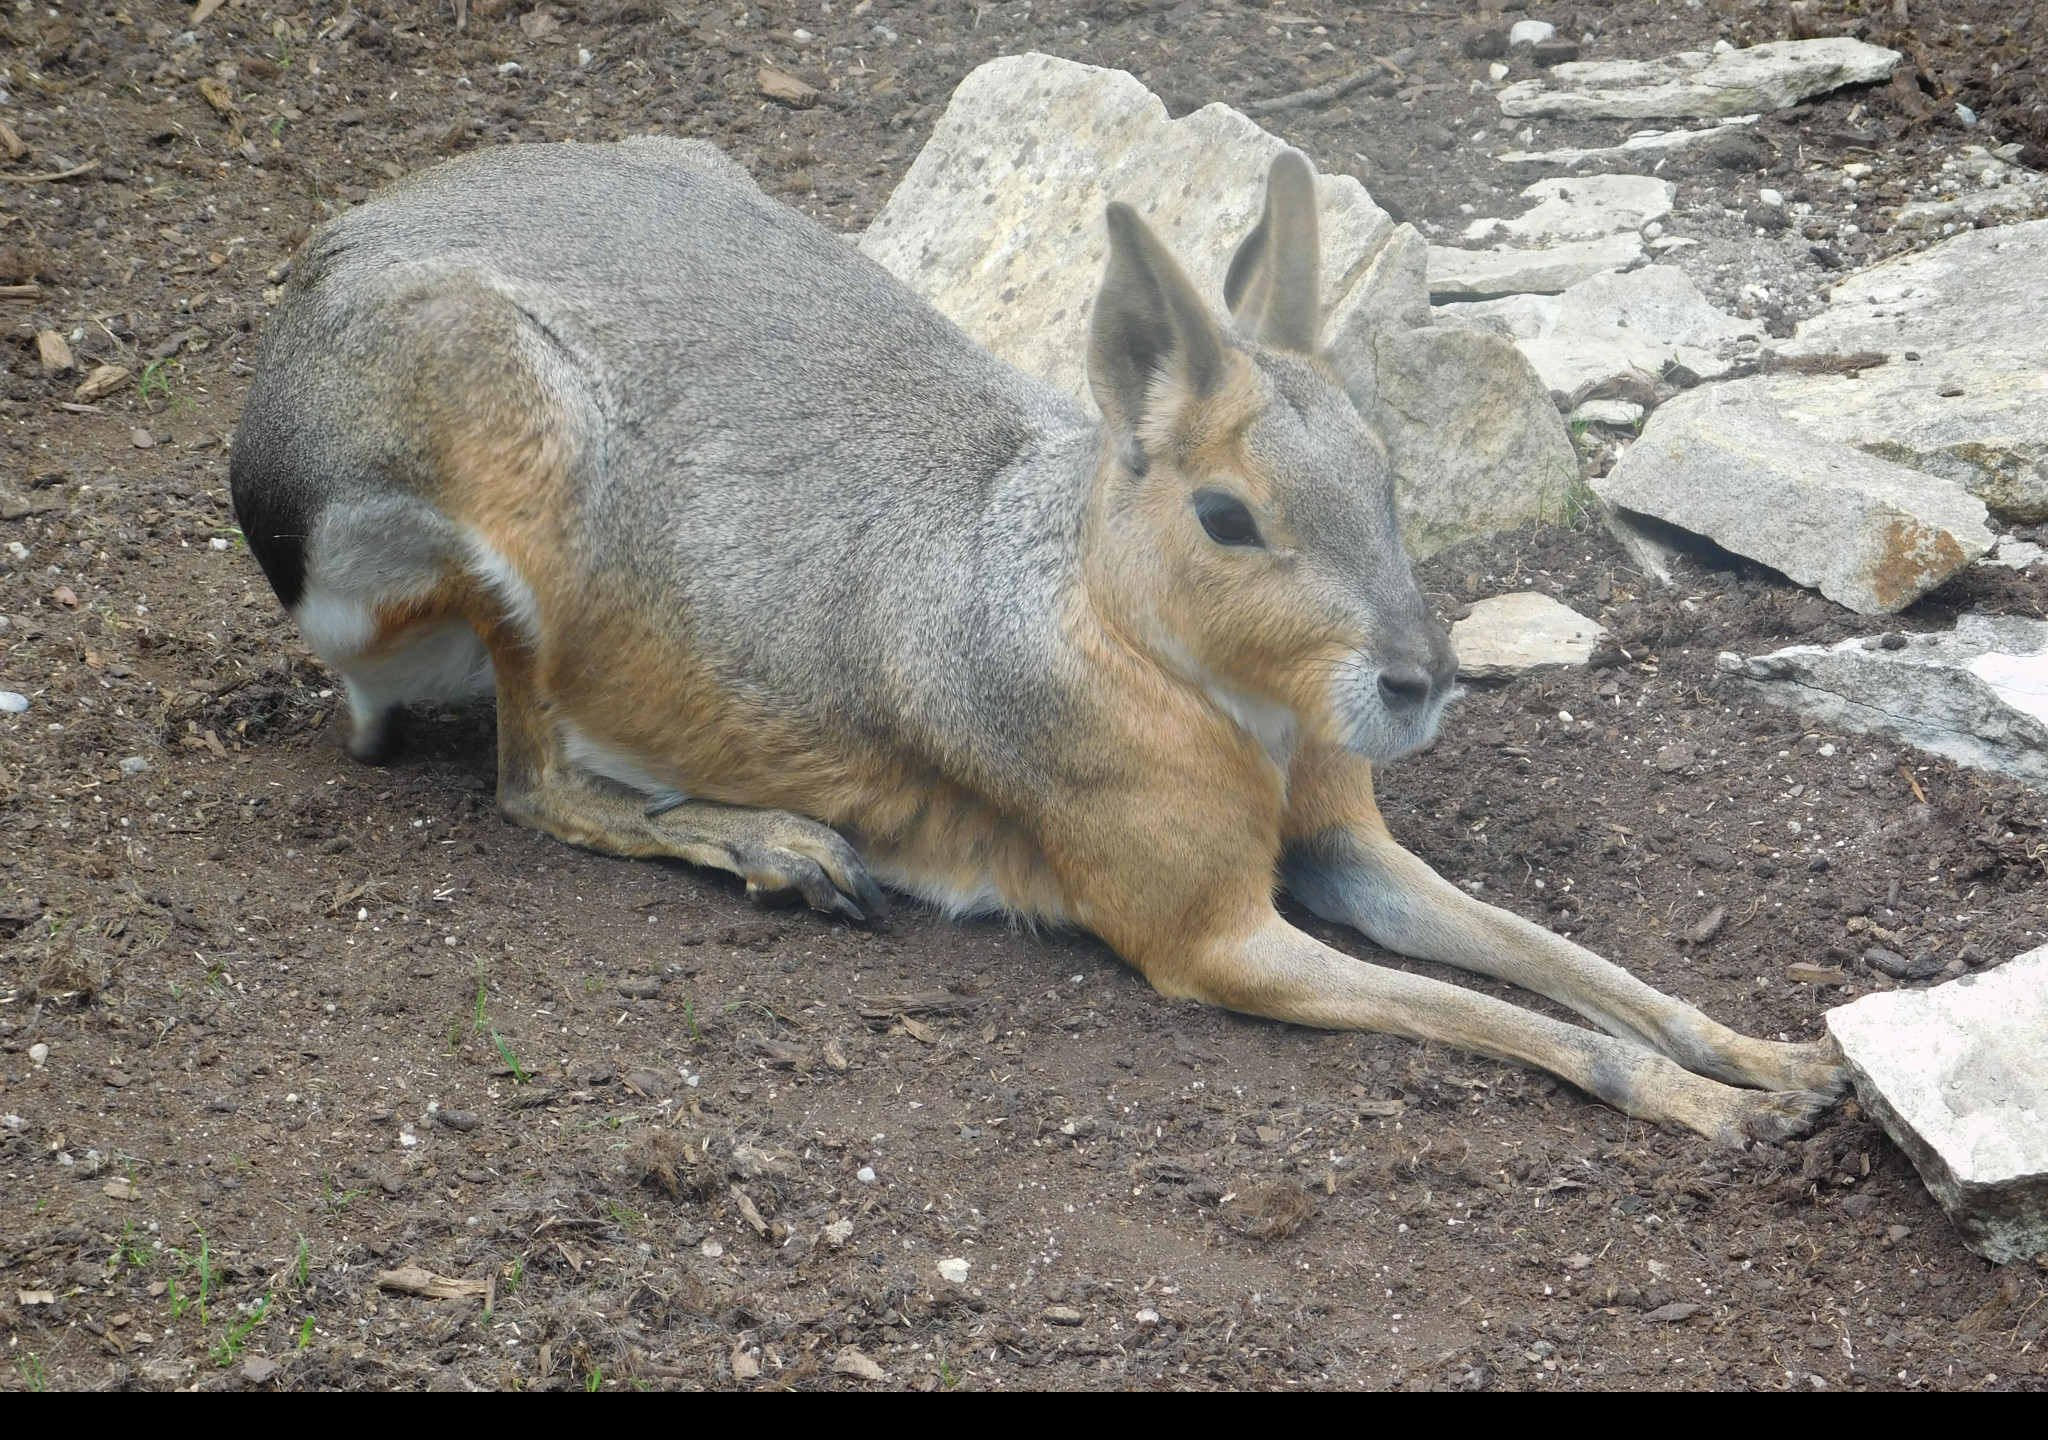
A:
1274,288
1149,326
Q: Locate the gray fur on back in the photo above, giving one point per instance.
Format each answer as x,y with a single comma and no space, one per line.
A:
843,495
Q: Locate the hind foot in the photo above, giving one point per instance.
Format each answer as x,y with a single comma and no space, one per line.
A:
1778,1065
380,738
1772,1116
782,857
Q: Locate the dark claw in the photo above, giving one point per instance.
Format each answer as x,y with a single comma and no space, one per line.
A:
871,897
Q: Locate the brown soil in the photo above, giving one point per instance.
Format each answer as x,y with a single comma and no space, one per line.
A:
283,994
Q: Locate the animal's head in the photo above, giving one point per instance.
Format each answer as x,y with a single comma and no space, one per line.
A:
1245,523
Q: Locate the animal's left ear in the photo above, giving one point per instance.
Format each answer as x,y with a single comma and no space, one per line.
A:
1274,289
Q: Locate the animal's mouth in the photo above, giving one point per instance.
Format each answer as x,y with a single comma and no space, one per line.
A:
1383,732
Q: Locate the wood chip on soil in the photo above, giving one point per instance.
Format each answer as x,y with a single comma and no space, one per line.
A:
103,381
785,89
854,1362
417,1280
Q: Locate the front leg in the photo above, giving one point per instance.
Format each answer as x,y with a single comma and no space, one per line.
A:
1268,967
1342,864
1173,877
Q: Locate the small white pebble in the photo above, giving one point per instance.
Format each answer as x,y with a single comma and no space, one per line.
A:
1827,749
11,703
866,1174
711,1249
38,1053
1564,717
953,1270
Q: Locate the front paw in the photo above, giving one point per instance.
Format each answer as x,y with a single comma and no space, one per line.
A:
1814,1065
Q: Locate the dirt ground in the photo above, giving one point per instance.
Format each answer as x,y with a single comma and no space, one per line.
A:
307,1022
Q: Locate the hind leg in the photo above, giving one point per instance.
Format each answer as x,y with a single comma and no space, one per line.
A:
780,855
441,661
379,736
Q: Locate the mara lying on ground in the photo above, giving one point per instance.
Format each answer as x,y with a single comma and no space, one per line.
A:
772,569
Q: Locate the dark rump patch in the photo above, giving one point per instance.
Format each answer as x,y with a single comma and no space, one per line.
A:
276,522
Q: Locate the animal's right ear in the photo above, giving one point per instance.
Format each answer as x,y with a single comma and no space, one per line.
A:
1151,333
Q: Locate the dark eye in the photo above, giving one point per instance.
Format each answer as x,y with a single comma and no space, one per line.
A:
1225,518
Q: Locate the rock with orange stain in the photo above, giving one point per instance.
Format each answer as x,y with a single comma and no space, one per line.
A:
1726,462
1963,388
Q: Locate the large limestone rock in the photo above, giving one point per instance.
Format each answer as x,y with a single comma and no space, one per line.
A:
999,224
999,220
1476,443
1956,1076
1723,462
1512,634
1613,327
1699,83
1972,406
1977,695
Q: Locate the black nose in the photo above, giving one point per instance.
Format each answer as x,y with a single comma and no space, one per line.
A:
1404,687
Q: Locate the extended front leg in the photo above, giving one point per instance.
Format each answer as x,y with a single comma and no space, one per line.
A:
1349,869
1163,875
1273,969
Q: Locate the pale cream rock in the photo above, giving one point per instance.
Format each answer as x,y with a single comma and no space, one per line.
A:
1955,1075
1488,274
1509,635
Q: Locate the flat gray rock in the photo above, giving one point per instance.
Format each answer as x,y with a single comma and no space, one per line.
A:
1724,462
1456,274
1579,207
1614,327
1977,695
1956,1076
1473,436
1972,408
999,222
1640,145
1512,634
1700,83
